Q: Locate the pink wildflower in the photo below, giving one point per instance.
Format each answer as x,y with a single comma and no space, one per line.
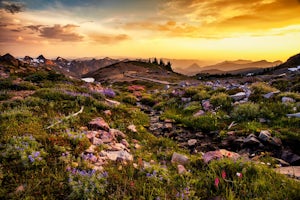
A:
217,181
223,174
240,175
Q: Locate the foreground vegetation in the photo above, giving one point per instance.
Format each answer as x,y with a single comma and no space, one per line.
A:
39,161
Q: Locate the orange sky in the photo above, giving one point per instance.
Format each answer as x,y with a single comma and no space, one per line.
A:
196,29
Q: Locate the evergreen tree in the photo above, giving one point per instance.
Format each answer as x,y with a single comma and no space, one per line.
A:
161,63
155,61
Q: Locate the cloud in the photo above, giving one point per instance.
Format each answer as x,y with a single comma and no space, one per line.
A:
12,7
58,32
109,39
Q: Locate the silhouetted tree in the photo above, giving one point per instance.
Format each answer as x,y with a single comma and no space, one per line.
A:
155,61
169,66
161,63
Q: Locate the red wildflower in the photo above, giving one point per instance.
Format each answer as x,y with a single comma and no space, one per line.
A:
217,181
240,175
131,183
223,174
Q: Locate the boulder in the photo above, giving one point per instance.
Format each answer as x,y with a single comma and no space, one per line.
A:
212,155
107,112
180,159
168,126
251,140
125,143
239,96
270,94
230,154
297,115
98,123
290,157
265,135
293,171
112,102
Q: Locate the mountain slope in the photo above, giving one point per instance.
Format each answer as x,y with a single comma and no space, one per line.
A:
125,71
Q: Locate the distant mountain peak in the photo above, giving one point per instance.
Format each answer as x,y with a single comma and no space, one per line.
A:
41,57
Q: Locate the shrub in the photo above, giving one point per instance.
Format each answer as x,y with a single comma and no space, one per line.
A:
53,94
192,107
246,111
262,88
129,98
222,100
148,100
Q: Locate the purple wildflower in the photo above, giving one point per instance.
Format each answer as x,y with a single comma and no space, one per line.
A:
36,154
31,158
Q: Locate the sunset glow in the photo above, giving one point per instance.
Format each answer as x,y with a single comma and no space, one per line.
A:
196,29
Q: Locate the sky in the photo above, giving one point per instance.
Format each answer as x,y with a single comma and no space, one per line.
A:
212,30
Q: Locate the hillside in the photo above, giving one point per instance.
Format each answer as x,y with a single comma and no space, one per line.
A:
132,70
128,135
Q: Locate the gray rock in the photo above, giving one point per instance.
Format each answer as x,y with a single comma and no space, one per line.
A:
251,140
264,135
212,155
125,143
168,126
297,115
106,137
180,159
287,100
239,96
206,105
270,94
290,157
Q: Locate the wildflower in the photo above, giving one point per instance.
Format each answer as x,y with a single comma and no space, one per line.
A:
105,174
240,175
223,174
217,181
36,154
148,174
31,158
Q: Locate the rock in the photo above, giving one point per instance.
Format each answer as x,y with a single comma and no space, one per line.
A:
132,128
106,137
239,96
180,159
251,140
264,135
112,102
99,123
117,147
168,126
212,155
199,113
114,155
91,149
181,169
125,143
206,105
192,142
270,94
218,154
96,141
290,157
98,168
107,112
137,146
90,134
282,162
188,99
297,115
230,154
117,133
293,171
287,100
20,188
